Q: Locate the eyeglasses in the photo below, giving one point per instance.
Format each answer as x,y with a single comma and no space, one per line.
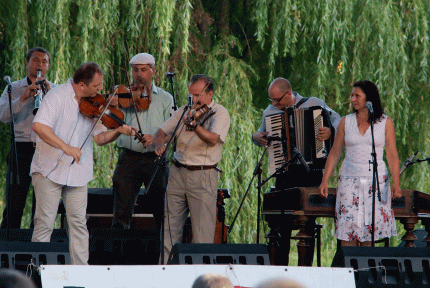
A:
277,101
197,96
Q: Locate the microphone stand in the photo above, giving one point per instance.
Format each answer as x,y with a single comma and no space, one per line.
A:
160,162
296,155
419,160
170,76
257,171
13,177
375,179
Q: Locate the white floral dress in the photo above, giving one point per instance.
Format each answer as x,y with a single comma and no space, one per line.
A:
353,217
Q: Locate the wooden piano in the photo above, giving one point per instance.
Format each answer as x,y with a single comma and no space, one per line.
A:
302,206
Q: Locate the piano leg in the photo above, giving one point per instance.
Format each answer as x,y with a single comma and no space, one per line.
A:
279,239
409,224
306,237
426,223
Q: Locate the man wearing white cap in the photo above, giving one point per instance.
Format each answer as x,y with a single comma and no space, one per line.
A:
137,161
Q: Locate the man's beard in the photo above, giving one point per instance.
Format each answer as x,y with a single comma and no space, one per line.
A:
142,82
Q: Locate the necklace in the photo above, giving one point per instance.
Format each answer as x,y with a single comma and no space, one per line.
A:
360,121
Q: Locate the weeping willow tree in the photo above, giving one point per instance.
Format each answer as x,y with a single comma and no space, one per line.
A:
322,47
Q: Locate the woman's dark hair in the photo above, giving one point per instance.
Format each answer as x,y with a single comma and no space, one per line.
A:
372,95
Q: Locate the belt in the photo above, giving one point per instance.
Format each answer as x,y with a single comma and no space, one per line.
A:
194,167
25,145
135,153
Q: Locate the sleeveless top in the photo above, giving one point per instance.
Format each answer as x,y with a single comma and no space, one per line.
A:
358,148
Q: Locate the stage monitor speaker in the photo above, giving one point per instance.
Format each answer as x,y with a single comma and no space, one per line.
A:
386,266
100,201
19,255
251,254
24,235
124,246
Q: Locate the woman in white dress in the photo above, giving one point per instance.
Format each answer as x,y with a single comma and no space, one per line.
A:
353,218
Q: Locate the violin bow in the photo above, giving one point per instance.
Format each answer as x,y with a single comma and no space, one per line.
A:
98,120
134,105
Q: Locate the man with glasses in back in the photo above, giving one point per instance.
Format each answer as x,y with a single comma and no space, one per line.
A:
282,96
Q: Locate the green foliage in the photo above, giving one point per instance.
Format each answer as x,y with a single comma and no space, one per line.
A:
322,47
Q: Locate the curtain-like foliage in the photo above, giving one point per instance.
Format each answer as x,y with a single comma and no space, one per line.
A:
322,47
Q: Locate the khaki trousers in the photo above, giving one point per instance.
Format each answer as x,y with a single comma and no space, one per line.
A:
48,196
193,192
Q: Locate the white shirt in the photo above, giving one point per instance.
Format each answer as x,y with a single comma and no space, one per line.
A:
60,111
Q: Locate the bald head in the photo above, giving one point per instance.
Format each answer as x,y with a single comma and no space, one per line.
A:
280,93
211,280
282,84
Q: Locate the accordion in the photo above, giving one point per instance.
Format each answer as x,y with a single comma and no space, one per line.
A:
298,128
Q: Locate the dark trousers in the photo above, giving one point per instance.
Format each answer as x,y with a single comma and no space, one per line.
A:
133,169
18,193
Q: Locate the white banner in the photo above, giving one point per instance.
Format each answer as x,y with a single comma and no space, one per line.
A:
183,276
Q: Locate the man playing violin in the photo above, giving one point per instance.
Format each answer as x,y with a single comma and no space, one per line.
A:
193,179
60,169
137,161
22,93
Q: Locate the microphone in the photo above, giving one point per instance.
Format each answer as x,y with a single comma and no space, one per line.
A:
301,159
407,163
190,100
170,74
369,106
7,79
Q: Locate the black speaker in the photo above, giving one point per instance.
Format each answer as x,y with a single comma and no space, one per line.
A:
24,235
386,266
252,254
124,246
100,201
19,255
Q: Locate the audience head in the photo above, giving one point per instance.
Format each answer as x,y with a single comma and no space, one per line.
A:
10,278
211,280
279,283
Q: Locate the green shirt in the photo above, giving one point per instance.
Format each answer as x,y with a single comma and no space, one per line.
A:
160,109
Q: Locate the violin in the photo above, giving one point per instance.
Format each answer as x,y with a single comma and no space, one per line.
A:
92,107
196,114
134,95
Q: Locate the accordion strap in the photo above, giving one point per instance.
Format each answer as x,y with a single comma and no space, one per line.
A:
303,100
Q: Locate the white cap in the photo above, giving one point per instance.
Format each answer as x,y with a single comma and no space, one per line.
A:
143,58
